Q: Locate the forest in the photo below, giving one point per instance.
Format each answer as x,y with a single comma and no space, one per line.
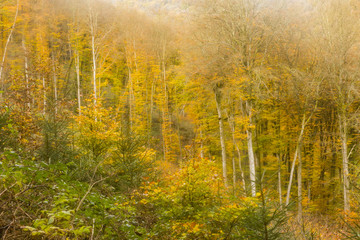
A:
179,119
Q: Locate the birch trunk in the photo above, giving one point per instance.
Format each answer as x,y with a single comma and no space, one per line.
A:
26,72
303,124
345,160
6,47
55,83
279,179
77,66
300,187
165,109
93,31
164,135
222,139
241,169
94,64
251,151
251,163
232,128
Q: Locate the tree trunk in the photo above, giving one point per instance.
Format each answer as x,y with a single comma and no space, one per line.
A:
232,128
165,150
165,111
77,66
201,144
55,83
303,124
151,109
222,137
26,72
345,160
241,169
251,163
94,65
6,47
179,136
251,150
300,187
44,95
130,97
279,179
234,172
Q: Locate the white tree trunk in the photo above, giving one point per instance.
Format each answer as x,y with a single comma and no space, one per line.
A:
93,51
93,23
251,163
251,155
77,67
55,83
6,47
303,124
222,138
26,71
345,160
279,179
232,128
241,169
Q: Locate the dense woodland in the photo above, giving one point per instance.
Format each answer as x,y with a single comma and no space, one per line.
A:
195,119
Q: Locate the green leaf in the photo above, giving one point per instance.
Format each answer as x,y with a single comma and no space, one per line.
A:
51,220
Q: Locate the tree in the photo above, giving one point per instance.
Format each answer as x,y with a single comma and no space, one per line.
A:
235,33
338,35
7,45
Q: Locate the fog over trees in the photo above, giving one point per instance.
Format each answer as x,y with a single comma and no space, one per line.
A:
193,119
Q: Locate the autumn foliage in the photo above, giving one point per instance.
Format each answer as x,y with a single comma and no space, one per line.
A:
208,119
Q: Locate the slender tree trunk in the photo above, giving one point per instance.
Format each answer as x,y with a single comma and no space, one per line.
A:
26,72
201,144
303,124
131,98
77,66
165,150
241,169
300,213
222,137
165,110
251,152
233,156
309,191
291,174
99,85
251,162
93,24
279,179
6,47
234,171
232,128
55,83
345,160
44,95
179,135
151,108
93,65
